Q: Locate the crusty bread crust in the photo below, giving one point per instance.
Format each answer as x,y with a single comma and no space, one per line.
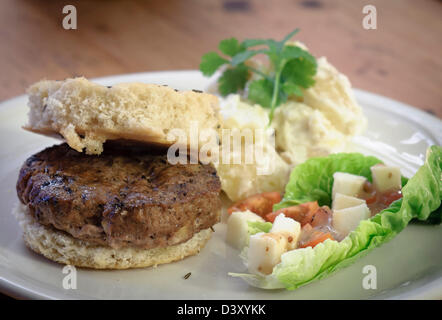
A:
87,114
63,248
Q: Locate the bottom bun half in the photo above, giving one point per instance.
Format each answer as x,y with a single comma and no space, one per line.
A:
63,248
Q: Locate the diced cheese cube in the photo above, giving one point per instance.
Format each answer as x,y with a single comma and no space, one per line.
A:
348,184
386,178
237,228
346,220
265,250
289,228
342,201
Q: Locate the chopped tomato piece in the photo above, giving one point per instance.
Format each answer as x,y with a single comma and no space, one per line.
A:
371,199
369,193
378,201
274,196
383,201
368,187
261,203
315,238
389,197
307,228
321,217
302,213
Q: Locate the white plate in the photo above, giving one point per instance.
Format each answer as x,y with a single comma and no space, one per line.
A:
409,266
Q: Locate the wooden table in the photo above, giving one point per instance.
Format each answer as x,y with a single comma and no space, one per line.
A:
401,59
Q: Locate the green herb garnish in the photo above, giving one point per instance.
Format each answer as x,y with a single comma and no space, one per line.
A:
293,68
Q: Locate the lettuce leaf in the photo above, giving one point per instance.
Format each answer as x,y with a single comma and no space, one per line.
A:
313,180
258,226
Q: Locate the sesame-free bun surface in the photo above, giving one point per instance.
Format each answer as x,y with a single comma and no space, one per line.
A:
63,248
87,114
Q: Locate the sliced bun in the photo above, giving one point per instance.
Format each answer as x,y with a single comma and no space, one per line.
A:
87,114
63,248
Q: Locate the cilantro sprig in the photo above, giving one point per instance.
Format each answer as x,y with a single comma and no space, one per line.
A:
293,69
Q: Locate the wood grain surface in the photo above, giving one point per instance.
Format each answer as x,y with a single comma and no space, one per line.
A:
401,59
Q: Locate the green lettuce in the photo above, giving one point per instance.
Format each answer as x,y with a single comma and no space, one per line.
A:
313,180
258,226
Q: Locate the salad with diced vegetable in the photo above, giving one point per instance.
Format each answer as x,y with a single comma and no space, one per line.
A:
334,210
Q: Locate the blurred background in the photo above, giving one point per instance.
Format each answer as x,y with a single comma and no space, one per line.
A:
401,59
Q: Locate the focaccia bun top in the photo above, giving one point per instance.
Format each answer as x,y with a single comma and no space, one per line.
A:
87,114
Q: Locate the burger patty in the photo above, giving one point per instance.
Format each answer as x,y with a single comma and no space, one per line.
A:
125,197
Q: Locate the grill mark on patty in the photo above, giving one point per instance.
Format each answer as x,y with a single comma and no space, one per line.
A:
126,197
